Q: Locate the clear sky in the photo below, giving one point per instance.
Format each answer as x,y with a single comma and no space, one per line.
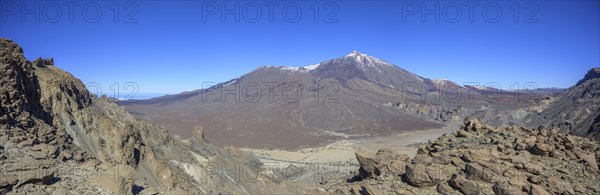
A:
175,46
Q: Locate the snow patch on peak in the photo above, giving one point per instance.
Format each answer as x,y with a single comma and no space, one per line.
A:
310,67
483,87
361,57
441,81
292,68
480,87
358,56
355,53
280,67
367,61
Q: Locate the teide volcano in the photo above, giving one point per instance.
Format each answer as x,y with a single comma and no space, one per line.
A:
368,68
291,107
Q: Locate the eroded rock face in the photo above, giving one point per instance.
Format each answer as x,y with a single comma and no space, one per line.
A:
508,160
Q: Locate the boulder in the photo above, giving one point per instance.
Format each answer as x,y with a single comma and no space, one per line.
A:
475,171
534,179
398,167
52,151
541,149
472,124
505,188
588,158
513,174
389,155
384,162
422,159
368,165
436,174
464,185
78,157
442,159
444,189
417,176
537,190
66,155
478,156
533,168
521,158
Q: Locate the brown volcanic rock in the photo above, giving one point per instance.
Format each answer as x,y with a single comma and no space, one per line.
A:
541,149
464,185
384,162
480,166
369,166
417,176
505,188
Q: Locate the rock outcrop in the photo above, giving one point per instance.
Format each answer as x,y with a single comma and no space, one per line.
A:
593,73
384,162
489,160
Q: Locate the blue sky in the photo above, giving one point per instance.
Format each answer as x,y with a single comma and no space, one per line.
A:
175,46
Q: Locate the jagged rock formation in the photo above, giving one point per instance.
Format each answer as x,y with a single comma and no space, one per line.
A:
576,111
593,73
480,159
57,137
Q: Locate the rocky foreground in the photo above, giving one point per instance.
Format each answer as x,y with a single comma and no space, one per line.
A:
480,159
